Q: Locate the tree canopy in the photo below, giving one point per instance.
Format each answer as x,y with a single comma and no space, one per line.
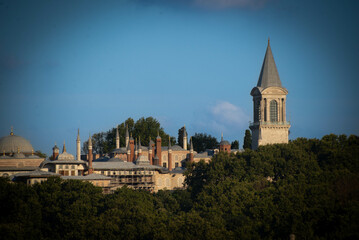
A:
203,141
308,187
247,141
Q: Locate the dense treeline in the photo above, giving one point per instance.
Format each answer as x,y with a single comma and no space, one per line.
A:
308,187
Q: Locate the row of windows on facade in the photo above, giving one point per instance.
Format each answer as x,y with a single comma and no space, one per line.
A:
109,173
167,182
176,157
165,165
66,166
273,111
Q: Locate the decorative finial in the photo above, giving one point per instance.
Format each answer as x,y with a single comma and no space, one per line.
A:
12,131
64,149
32,152
18,150
3,153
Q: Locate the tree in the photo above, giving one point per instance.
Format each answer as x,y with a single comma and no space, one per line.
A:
40,154
247,142
235,144
180,136
202,141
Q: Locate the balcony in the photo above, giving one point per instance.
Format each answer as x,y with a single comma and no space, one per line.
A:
268,123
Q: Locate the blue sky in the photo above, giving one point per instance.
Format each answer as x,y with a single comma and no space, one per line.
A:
92,64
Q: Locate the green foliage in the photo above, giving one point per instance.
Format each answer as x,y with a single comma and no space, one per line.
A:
40,154
235,144
202,141
180,136
308,187
247,141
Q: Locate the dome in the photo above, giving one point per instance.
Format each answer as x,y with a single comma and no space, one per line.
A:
11,144
224,142
66,156
19,155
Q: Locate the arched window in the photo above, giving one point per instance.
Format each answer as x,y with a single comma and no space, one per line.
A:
257,111
273,111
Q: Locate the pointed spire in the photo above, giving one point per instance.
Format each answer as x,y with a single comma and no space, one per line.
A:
90,141
222,137
131,138
158,134
117,133
149,144
64,148
78,134
184,131
191,145
169,142
269,76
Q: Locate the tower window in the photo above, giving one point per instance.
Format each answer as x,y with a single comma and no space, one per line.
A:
273,111
257,110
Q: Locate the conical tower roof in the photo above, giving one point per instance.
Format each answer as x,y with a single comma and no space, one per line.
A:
269,76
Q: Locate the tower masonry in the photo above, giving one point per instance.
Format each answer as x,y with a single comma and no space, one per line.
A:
269,124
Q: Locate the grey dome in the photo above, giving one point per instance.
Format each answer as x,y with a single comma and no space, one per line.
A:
19,155
66,156
224,142
11,144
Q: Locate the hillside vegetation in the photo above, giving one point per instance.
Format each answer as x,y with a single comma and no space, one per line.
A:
308,187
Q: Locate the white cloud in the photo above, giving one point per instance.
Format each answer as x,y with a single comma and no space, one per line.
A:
226,113
222,117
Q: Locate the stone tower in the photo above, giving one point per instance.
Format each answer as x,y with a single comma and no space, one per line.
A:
269,124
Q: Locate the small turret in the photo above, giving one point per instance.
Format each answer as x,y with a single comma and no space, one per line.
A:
55,152
191,154
184,138
78,145
150,152
90,156
139,146
117,138
64,148
159,148
127,136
